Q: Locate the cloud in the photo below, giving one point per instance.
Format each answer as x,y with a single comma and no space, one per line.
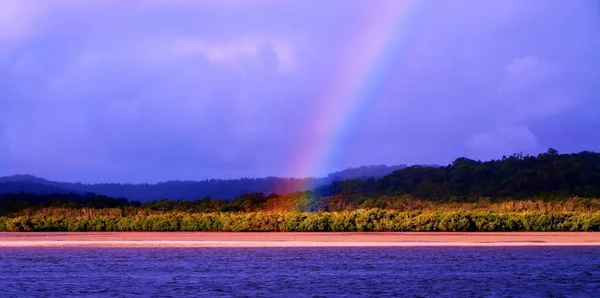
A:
105,98
15,19
504,140
532,88
525,73
157,90
234,52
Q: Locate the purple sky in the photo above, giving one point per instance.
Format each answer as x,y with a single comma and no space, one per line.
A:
143,91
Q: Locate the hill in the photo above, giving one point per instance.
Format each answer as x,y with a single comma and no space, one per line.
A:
30,187
188,190
363,172
546,175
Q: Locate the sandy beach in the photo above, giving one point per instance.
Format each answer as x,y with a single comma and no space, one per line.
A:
222,239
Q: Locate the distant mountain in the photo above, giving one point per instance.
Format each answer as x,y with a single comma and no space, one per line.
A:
31,184
187,190
24,178
30,187
363,172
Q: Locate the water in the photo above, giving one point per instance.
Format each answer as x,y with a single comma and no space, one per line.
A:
301,272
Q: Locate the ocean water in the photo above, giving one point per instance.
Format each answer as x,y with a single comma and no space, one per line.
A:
301,272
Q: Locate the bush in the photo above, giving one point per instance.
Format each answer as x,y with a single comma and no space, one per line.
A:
370,220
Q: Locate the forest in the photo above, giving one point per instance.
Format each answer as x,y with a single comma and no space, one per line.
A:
548,192
546,175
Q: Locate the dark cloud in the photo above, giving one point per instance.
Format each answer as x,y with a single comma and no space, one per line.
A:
157,90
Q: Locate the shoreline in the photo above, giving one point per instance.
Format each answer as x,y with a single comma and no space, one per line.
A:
295,239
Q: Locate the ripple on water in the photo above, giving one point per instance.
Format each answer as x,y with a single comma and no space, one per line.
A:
222,272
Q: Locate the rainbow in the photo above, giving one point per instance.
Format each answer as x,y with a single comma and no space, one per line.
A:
362,80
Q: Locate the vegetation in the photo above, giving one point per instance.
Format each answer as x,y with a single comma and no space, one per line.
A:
346,221
547,175
550,192
254,212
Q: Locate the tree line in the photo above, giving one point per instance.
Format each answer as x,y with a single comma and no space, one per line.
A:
547,175
548,192
373,220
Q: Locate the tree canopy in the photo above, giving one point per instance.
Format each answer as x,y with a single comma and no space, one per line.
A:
518,176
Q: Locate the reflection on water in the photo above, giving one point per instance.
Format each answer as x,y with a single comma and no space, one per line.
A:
292,272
